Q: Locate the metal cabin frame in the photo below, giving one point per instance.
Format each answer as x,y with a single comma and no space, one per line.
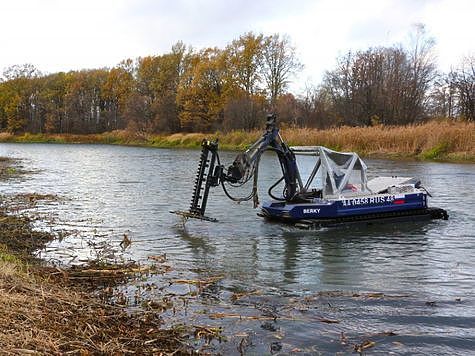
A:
334,169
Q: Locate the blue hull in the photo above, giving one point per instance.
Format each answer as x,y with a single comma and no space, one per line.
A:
341,208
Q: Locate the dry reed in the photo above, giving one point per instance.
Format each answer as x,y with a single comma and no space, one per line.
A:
42,317
436,139
49,311
443,139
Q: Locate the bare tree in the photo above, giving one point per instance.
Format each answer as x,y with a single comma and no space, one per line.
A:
463,80
442,101
26,70
423,73
384,85
280,62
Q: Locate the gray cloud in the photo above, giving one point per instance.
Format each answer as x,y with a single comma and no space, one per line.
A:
203,23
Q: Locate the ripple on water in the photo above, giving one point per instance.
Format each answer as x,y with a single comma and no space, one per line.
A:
112,191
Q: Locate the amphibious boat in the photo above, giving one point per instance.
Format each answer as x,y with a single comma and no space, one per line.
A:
336,191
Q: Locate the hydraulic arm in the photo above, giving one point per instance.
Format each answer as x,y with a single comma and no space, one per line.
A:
212,173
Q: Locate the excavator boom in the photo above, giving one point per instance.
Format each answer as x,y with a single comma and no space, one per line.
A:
212,173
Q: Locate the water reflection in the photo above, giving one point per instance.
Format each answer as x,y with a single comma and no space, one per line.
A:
198,244
291,255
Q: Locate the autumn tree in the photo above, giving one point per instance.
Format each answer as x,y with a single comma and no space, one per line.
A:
10,103
115,92
19,98
166,83
52,96
200,94
83,102
245,112
244,61
139,110
232,88
245,101
153,105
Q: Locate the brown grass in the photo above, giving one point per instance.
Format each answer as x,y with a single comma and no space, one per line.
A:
49,311
435,140
39,316
432,140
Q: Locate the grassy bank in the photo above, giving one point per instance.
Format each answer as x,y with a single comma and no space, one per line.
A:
436,140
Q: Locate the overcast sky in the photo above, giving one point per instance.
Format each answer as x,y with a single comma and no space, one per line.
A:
62,35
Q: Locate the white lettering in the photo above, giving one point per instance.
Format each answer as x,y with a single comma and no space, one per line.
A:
311,211
366,200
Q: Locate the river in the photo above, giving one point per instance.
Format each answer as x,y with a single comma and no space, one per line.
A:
409,288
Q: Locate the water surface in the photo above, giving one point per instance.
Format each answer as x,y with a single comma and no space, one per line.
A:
425,270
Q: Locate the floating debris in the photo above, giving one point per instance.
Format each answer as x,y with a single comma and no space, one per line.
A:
237,296
269,326
158,258
209,333
276,346
366,344
44,317
328,321
126,242
239,316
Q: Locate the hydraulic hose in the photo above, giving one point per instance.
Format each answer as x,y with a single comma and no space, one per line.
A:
272,187
254,188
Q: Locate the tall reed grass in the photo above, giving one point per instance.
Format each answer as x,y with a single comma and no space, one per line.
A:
435,140
432,140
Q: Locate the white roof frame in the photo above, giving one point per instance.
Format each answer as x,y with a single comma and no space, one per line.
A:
350,161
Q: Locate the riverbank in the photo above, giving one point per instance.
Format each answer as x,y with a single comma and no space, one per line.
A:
52,310
45,312
443,140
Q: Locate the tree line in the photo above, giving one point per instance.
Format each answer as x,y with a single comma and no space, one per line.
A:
187,90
